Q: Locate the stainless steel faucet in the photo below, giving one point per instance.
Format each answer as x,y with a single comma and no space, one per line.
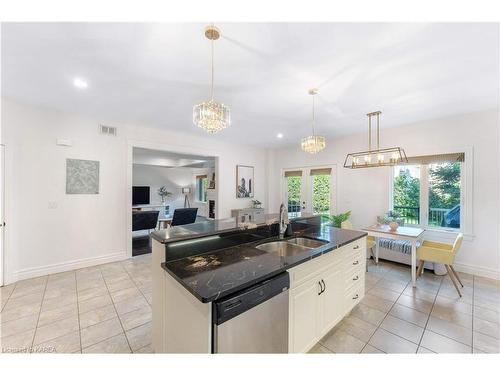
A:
283,220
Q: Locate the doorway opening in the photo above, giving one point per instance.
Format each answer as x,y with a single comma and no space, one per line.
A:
309,190
169,188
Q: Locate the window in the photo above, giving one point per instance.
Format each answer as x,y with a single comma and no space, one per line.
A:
428,192
201,188
406,192
444,195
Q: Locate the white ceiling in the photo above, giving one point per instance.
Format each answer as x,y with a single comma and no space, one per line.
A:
152,74
144,156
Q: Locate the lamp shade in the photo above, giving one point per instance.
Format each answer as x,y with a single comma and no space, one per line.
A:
186,190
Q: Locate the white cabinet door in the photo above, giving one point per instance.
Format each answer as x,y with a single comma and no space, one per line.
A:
304,303
332,299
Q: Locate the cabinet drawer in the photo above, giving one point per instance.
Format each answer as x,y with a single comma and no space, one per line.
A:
354,261
312,268
353,296
355,277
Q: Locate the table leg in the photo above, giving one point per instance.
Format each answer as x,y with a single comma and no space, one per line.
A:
414,263
377,246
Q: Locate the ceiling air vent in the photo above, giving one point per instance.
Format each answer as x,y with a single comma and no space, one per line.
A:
108,130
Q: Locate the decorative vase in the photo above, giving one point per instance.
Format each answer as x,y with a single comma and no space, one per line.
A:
393,225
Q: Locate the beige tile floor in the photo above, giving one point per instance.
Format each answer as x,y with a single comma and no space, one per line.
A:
107,309
393,317
102,309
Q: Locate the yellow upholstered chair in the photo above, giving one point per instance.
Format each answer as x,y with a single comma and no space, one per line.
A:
437,252
370,240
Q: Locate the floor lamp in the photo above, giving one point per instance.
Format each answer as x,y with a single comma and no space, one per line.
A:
186,192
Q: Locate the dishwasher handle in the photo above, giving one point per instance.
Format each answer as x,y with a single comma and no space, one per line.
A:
244,300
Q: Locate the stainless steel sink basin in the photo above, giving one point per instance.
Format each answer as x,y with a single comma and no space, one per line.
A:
307,242
282,248
291,247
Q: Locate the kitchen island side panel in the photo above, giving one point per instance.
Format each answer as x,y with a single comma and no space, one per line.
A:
181,323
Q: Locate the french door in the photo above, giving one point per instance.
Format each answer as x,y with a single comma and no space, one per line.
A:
309,190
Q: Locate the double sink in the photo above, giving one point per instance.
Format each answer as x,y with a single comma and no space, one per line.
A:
291,247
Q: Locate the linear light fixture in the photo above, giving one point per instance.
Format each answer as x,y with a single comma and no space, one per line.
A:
379,157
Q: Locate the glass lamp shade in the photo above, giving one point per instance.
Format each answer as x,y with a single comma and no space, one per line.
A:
186,190
313,144
211,116
376,158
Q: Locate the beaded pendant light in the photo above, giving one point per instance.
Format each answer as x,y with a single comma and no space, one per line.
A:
210,115
313,143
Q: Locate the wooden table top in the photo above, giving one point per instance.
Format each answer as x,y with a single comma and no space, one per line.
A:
401,231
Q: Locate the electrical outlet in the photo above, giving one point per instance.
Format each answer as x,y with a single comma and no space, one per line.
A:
52,205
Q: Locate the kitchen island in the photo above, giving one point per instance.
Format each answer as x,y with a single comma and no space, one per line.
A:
196,266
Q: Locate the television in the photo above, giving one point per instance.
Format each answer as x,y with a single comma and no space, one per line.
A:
140,195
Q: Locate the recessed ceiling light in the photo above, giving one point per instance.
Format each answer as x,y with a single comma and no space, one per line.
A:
279,135
80,83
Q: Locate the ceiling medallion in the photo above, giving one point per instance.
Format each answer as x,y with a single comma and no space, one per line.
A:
379,157
210,115
313,143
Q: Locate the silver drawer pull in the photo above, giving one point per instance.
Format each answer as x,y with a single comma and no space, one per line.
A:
355,263
356,247
355,278
355,297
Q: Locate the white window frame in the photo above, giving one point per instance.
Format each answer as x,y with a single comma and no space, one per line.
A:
466,190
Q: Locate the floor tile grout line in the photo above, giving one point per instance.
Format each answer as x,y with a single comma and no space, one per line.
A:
8,297
430,312
78,313
385,316
107,338
116,311
39,313
473,304
137,286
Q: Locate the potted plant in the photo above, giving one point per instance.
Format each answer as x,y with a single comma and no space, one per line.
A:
391,218
164,193
337,220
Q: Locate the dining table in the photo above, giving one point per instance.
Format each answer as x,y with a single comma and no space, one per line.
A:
411,234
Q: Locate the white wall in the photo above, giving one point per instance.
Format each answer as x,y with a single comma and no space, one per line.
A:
80,230
174,179
366,191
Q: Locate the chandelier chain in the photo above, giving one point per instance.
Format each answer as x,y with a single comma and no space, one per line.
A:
212,82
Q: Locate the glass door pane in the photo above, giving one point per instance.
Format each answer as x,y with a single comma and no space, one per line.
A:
321,194
294,193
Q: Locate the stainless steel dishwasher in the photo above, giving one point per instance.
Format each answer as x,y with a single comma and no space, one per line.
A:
254,320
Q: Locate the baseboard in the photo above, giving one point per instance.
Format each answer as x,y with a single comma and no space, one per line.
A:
477,271
461,267
28,273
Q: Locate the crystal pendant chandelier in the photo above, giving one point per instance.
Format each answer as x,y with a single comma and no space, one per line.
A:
378,157
211,115
313,143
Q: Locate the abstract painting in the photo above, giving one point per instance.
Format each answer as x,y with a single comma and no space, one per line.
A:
82,176
244,181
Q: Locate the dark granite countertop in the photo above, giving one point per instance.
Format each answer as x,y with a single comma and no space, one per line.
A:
219,273
209,227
